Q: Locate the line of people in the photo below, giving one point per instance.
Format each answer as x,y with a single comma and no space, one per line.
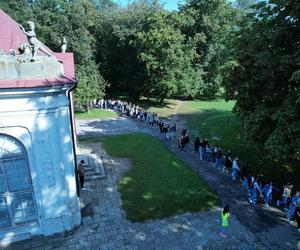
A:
257,189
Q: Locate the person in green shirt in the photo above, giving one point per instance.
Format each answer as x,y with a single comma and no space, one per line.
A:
225,224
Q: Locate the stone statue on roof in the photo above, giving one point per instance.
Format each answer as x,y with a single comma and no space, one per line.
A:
34,43
63,44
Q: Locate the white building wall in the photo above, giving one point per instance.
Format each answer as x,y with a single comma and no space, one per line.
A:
40,119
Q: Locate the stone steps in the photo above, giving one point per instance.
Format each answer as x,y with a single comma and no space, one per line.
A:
94,169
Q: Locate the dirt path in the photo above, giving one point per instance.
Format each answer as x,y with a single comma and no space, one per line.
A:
174,117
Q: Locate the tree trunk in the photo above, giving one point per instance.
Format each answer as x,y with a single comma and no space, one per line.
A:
86,107
161,100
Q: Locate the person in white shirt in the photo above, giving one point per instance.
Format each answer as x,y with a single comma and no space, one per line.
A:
255,189
235,168
287,190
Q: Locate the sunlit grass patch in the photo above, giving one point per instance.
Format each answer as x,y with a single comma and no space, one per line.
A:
95,114
215,121
159,184
164,110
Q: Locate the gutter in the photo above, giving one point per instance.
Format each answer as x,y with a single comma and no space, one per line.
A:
73,131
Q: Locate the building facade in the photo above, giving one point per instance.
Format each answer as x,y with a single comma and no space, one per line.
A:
38,187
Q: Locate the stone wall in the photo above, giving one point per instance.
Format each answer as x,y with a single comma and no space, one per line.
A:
17,67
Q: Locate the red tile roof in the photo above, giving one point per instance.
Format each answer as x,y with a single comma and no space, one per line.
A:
11,37
39,83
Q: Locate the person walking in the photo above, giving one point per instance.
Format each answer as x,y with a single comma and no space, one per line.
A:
173,131
225,224
267,192
208,152
197,145
228,161
292,207
297,216
245,184
218,163
235,168
80,170
201,151
255,190
287,190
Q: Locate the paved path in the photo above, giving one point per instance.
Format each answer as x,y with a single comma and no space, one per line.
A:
105,127
269,225
104,225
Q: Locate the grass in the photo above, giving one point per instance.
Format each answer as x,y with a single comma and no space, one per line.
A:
165,110
215,121
159,184
95,114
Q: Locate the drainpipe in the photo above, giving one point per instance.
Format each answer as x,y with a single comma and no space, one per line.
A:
73,130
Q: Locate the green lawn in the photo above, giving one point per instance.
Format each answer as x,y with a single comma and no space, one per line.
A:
215,121
159,184
164,111
95,114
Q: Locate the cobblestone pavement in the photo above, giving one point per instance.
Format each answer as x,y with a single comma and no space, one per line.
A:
105,127
269,225
104,225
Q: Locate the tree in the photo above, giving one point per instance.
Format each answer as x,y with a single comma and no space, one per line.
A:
75,20
167,57
116,48
264,78
91,85
19,10
212,22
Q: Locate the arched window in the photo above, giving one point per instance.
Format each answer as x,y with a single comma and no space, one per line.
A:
17,204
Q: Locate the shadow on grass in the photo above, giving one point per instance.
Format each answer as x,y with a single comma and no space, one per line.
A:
152,103
80,112
147,103
223,128
159,184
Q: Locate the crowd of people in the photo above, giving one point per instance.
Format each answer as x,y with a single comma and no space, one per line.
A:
257,189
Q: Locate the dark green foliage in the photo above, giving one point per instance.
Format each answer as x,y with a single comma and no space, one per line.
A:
211,22
141,50
264,79
167,57
116,50
76,21
251,47
145,50
19,10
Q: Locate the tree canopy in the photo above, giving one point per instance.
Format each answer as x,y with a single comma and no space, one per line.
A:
264,78
248,47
